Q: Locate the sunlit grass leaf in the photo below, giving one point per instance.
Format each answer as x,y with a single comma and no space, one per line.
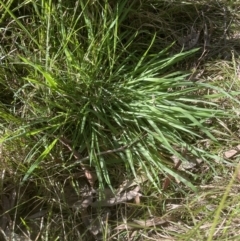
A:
36,163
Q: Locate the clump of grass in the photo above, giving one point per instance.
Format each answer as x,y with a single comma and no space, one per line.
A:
91,86
90,75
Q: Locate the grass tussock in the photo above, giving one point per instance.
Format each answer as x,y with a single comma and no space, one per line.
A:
116,120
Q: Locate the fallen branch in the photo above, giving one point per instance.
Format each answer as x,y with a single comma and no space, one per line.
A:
120,149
